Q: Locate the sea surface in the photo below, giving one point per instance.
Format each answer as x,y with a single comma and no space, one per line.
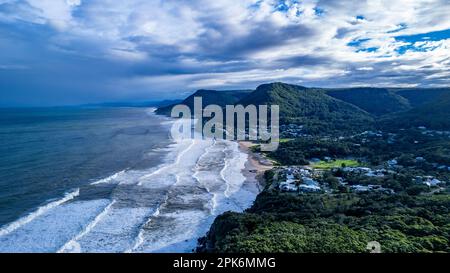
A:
91,179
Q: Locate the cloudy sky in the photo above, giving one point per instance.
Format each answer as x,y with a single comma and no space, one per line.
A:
79,51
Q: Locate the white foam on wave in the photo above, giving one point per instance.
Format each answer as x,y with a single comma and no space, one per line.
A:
116,231
41,210
140,239
109,178
183,170
232,171
181,237
179,149
73,242
52,229
166,167
222,173
109,232
178,230
199,181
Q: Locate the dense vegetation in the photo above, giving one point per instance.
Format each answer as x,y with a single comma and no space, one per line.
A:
344,111
377,101
420,96
296,152
341,223
313,108
434,115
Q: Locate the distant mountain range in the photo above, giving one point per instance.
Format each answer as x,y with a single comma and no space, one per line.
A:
159,104
343,109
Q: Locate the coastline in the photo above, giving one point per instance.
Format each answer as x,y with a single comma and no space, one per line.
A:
256,165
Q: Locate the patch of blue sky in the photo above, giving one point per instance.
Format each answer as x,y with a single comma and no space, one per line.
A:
285,5
414,48
282,6
360,17
413,39
430,36
318,11
368,49
358,42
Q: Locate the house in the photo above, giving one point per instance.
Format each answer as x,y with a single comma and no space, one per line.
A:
392,162
359,170
290,178
433,183
309,181
288,187
376,173
368,188
341,181
430,181
309,185
359,188
380,188
309,188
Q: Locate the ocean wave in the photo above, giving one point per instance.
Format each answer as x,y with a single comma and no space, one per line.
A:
52,229
41,210
165,167
73,245
109,178
140,239
199,181
236,161
161,209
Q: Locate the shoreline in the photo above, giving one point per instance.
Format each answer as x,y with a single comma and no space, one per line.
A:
256,165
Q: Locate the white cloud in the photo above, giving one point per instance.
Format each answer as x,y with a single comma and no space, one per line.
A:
250,40
58,13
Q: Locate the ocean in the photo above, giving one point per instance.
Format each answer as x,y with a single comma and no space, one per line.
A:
99,179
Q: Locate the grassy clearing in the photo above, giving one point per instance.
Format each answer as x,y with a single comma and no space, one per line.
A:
284,140
336,164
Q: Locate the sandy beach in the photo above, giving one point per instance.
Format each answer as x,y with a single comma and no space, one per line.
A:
255,166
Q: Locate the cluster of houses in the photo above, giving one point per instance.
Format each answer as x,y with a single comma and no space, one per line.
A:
298,179
367,171
369,188
301,179
433,133
372,134
304,180
393,164
430,181
292,131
